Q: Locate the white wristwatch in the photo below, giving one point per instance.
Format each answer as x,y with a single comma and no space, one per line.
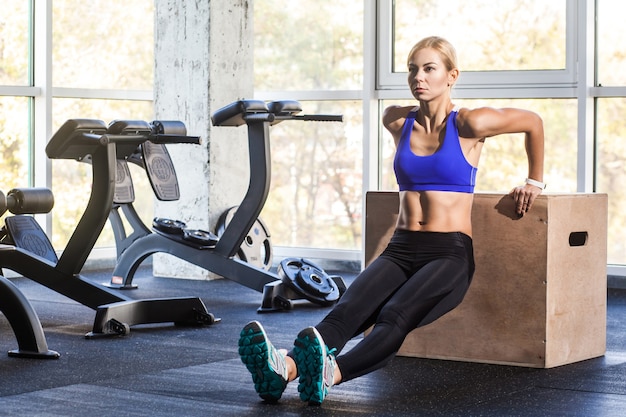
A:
536,183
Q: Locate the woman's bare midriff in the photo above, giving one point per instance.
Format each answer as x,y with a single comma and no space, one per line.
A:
435,211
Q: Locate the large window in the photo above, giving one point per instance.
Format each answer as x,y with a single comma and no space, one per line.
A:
103,44
529,54
14,142
316,195
308,45
611,171
509,35
64,59
101,56
611,43
14,111
15,41
538,55
515,42
610,127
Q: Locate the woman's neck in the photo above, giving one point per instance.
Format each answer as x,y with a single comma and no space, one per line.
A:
433,114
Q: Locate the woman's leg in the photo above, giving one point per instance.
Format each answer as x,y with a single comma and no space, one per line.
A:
359,306
315,347
433,291
271,369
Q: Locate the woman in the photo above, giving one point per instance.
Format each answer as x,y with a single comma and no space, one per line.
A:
428,265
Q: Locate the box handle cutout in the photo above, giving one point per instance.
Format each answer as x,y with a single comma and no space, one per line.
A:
578,238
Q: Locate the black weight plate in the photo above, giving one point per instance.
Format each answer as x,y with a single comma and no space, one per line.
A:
169,226
200,237
308,280
290,268
314,281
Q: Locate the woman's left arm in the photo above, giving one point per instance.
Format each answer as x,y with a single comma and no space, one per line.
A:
485,122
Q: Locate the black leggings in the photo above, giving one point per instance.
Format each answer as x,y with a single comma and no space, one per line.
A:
417,279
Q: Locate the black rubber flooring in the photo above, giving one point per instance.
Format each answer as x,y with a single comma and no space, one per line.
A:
166,370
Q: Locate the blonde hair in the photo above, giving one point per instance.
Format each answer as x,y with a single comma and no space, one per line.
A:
445,49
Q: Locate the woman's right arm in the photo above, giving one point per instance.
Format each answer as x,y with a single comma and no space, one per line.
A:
393,120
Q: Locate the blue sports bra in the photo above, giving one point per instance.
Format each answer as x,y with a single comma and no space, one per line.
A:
445,170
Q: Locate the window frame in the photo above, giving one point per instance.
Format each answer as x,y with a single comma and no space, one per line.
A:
486,84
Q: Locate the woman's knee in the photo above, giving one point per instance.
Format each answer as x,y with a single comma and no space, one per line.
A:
396,323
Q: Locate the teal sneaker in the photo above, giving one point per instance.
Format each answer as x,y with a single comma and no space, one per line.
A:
316,366
266,363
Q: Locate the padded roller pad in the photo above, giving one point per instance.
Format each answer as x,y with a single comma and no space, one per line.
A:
169,127
284,107
119,127
26,234
233,114
30,200
69,142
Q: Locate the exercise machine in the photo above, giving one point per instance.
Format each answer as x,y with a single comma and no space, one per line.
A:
27,250
14,305
295,279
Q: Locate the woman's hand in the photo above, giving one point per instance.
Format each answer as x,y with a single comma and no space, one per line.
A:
524,197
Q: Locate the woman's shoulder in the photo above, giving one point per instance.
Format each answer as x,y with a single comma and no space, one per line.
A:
395,115
395,110
474,116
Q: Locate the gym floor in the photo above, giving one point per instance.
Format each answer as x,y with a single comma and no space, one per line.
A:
165,370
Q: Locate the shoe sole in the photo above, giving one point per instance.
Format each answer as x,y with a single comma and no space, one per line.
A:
309,356
253,351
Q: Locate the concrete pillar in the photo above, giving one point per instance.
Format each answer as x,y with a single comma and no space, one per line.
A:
203,61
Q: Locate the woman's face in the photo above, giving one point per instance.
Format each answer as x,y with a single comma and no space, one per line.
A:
428,76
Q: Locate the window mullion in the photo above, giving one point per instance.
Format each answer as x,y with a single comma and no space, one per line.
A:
41,114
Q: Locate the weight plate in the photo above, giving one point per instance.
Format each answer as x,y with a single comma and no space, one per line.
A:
308,280
200,237
314,281
256,248
169,226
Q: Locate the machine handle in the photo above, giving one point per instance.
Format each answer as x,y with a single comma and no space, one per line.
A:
154,138
165,138
320,117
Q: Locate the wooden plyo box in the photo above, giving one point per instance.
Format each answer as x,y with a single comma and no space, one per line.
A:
538,297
